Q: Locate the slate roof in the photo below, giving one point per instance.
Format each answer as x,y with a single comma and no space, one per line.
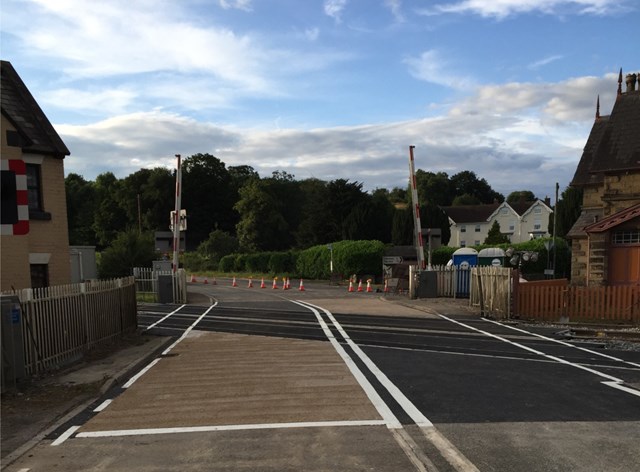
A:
586,218
22,110
613,145
481,213
614,220
470,213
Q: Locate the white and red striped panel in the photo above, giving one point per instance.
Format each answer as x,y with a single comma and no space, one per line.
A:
21,227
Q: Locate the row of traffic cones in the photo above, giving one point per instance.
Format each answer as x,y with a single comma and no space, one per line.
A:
286,283
368,289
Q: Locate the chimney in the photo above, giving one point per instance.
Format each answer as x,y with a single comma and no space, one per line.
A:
630,80
547,201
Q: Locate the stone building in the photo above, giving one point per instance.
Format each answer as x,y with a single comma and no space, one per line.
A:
606,237
34,235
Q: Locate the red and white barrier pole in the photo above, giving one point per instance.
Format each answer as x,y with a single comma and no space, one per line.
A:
416,212
176,217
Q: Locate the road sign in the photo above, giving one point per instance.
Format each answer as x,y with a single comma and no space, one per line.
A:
390,260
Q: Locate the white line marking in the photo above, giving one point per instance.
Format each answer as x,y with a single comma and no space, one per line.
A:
188,330
165,317
490,356
24,470
385,412
102,406
399,397
448,450
564,343
612,381
64,436
141,373
623,388
234,427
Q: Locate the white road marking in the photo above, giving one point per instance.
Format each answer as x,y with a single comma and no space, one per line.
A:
447,450
166,351
611,380
623,388
64,436
491,356
385,412
102,406
141,373
233,427
165,317
188,330
564,343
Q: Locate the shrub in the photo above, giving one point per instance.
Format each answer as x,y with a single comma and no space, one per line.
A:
227,263
128,250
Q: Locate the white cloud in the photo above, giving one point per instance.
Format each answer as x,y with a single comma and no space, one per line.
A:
396,9
545,61
111,101
334,9
237,4
312,34
501,9
516,136
430,66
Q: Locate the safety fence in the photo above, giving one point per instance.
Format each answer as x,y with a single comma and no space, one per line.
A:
60,323
162,286
558,301
491,290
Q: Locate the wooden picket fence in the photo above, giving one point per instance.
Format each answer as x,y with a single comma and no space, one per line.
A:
556,300
491,290
60,323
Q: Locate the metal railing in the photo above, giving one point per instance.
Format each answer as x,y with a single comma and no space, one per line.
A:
60,323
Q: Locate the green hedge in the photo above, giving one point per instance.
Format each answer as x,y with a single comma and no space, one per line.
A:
349,257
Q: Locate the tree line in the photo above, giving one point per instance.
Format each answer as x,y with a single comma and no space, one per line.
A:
233,205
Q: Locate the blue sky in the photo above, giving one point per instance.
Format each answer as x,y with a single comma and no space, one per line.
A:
327,89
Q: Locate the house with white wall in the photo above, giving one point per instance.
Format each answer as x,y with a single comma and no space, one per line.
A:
519,221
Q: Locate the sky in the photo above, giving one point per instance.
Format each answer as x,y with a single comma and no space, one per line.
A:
326,88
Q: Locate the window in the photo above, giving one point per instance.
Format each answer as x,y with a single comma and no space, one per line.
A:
476,242
34,189
512,226
477,228
463,244
537,210
39,275
34,192
536,224
504,211
626,237
463,229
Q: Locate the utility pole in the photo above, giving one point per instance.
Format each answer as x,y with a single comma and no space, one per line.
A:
176,218
555,224
416,212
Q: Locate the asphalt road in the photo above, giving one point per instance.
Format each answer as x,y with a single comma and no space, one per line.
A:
324,380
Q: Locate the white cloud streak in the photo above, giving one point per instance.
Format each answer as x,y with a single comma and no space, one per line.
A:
517,136
501,9
431,66
334,9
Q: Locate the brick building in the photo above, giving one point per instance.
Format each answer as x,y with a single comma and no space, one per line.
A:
34,239
606,238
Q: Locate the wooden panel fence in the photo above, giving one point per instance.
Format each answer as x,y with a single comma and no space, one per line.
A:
60,323
491,290
560,302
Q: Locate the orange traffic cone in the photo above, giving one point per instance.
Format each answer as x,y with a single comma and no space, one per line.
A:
301,286
285,284
350,286
193,278
205,281
234,284
262,285
275,283
213,282
250,283
360,286
386,286
369,289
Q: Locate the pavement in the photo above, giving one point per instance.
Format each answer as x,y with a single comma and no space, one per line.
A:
35,408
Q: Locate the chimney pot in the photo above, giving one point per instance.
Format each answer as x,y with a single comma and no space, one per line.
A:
630,80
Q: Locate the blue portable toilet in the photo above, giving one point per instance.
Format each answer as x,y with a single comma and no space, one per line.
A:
463,259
